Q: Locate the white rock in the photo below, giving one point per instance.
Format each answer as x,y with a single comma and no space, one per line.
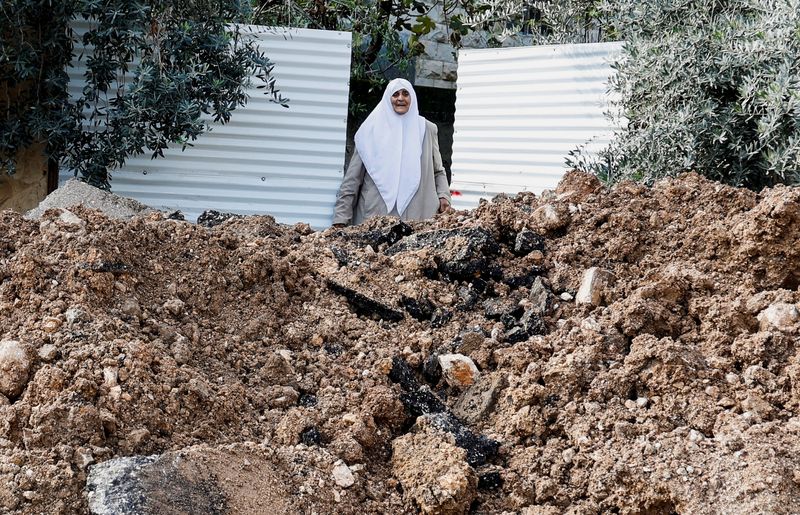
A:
110,375
566,296
75,315
50,324
458,370
780,316
590,324
83,457
174,306
549,217
642,402
594,283
68,217
14,368
342,475
48,352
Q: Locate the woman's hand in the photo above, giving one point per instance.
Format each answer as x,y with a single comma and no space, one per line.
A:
444,205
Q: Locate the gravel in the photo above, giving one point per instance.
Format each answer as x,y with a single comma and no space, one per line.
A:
75,192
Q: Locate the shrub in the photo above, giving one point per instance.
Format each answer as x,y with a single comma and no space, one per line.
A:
705,85
181,62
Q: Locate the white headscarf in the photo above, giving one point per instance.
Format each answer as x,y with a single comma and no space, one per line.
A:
390,145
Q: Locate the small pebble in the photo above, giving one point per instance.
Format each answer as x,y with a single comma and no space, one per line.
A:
342,475
695,436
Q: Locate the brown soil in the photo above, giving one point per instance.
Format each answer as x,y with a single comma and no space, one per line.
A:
680,394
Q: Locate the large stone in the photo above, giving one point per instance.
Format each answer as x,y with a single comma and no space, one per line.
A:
594,286
14,368
440,52
387,235
526,242
539,297
434,472
211,218
200,479
449,71
461,254
479,399
458,370
429,69
781,316
501,307
551,217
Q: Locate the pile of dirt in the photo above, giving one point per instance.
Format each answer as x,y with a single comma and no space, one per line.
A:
74,193
631,350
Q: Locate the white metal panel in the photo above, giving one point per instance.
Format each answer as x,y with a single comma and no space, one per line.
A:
268,159
519,111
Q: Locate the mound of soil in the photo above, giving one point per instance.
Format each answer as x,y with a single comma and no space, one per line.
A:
632,350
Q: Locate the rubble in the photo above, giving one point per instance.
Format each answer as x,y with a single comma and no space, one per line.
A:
252,358
434,472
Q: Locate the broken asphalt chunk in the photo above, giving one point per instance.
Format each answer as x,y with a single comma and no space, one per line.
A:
419,401
389,236
460,254
364,305
526,242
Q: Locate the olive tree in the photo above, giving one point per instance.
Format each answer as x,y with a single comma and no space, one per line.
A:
705,85
156,71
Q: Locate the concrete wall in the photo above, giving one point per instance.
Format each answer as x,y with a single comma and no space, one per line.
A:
26,188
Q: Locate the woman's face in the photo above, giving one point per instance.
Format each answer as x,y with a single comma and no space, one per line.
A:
401,101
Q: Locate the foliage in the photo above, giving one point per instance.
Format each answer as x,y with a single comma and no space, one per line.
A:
388,34
706,85
385,33
156,70
538,22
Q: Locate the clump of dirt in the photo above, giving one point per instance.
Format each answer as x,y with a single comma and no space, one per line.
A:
310,360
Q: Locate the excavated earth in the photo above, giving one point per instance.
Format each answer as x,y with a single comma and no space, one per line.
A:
252,367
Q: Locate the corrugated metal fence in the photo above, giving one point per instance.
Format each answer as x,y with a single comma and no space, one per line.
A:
519,111
267,159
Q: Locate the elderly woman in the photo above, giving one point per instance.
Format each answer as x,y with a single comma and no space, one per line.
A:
396,168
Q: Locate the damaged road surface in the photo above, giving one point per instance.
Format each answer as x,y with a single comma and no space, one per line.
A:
590,350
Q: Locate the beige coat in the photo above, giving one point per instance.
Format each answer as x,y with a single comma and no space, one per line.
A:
359,199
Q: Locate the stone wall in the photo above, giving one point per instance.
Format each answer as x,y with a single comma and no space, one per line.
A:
438,68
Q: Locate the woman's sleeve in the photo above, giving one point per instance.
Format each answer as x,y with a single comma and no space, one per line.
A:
439,173
347,197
